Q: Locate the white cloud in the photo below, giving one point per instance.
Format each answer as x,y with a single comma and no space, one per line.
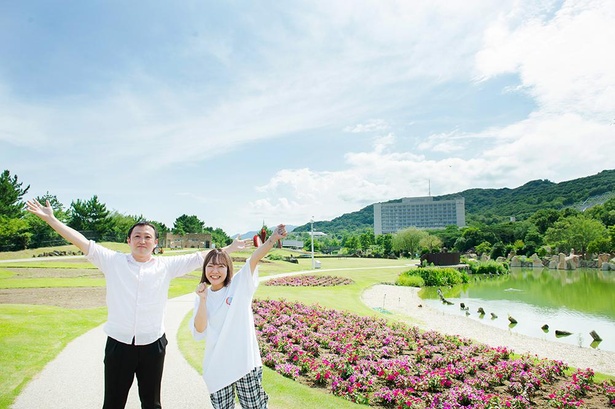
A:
564,61
374,125
310,69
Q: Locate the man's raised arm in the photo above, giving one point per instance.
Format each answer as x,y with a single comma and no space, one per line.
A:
46,214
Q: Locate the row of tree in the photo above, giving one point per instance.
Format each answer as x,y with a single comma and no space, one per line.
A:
547,231
20,229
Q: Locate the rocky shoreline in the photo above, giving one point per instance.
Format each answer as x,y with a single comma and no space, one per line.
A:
405,300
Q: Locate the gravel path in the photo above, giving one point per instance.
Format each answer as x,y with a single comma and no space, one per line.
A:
405,300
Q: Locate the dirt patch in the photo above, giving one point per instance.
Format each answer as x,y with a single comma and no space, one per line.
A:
55,272
67,297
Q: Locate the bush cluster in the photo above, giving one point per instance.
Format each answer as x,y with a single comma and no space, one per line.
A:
433,276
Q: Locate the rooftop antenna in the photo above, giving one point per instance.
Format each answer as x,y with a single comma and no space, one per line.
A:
429,184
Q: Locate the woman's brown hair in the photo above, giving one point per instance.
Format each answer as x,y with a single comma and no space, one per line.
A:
221,257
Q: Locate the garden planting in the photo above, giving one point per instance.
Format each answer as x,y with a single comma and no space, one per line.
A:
371,361
309,281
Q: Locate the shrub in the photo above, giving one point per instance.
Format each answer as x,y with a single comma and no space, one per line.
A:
274,256
437,276
488,267
410,281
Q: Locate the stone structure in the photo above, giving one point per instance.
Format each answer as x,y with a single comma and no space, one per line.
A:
533,261
564,262
605,262
188,240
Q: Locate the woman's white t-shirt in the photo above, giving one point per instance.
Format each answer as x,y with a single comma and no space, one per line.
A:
231,348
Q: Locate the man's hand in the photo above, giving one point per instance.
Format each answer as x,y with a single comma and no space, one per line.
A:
44,212
238,244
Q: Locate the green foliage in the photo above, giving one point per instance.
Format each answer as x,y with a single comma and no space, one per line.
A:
275,256
410,280
600,245
11,194
437,276
14,234
483,248
544,218
120,226
218,236
367,239
408,241
492,206
498,250
575,232
431,243
90,217
187,224
487,267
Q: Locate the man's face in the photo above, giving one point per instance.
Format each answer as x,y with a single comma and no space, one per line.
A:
142,241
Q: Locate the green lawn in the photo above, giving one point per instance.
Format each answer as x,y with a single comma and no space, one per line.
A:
31,336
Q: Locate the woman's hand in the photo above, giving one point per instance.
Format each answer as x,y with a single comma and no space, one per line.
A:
201,291
279,232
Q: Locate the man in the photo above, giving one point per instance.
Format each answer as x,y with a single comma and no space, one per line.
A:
137,288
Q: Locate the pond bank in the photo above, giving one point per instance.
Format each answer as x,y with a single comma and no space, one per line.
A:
405,300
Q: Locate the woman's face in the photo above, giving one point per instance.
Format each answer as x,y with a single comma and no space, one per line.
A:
216,274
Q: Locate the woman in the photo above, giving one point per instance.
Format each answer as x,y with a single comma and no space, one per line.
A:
223,317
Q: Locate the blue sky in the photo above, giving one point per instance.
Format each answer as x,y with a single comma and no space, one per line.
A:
248,111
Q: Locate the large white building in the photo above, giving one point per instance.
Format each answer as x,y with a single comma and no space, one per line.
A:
419,212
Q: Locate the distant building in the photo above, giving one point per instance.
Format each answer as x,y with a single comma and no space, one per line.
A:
187,241
292,244
419,212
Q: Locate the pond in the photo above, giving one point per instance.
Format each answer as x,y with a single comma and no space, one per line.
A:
576,301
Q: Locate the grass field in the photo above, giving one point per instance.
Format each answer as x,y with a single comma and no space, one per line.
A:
32,335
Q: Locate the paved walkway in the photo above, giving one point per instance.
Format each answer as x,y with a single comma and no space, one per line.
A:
74,379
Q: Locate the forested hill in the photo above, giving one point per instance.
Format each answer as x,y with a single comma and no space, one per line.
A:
497,205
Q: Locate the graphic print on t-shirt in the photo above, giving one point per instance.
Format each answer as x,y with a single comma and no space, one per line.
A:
229,300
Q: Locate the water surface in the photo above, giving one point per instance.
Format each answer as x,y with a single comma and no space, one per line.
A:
577,301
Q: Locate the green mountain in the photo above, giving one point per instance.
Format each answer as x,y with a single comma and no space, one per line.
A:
498,205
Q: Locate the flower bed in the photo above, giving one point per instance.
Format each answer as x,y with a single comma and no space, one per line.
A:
309,281
368,361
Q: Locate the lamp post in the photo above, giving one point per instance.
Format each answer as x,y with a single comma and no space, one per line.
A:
312,234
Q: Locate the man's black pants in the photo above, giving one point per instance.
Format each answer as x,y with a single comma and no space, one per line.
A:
123,362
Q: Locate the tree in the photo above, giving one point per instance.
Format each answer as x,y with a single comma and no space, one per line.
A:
120,224
483,248
90,217
575,232
601,245
367,239
11,193
351,243
431,243
544,218
14,234
604,212
187,224
218,236
408,241
386,241
448,236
